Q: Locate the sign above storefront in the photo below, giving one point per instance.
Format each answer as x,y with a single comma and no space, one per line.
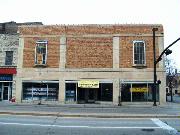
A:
5,77
8,71
144,89
88,84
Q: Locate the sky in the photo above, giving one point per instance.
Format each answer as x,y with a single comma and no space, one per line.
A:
166,12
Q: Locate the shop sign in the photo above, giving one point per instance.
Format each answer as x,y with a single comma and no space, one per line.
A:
5,77
88,84
144,89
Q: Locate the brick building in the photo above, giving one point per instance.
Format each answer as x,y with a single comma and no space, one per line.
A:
9,43
88,63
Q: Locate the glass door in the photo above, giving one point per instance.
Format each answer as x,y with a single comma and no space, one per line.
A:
6,93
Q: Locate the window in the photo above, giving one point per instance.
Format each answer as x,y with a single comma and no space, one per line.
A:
70,92
106,91
41,52
9,58
137,92
40,91
139,52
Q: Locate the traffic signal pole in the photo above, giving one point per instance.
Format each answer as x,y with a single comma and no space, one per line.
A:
154,55
167,52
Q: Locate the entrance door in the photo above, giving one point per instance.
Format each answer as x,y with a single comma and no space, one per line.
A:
6,93
86,95
91,94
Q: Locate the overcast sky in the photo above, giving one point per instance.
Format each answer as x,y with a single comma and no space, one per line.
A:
166,12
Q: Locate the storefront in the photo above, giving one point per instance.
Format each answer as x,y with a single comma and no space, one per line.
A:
6,83
137,92
89,91
6,87
40,90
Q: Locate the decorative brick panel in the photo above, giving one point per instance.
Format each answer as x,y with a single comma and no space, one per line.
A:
88,29
41,30
52,56
89,53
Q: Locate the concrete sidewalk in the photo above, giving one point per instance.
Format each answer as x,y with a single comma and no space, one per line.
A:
169,110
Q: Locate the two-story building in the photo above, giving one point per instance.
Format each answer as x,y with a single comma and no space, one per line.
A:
9,43
88,63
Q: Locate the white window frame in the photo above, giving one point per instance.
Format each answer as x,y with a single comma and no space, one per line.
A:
37,43
135,41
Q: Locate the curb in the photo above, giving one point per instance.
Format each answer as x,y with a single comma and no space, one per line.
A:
88,115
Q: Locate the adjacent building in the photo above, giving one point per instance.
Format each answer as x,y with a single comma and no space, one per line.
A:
9,44
88,64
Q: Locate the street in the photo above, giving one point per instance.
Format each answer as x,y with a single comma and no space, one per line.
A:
48,125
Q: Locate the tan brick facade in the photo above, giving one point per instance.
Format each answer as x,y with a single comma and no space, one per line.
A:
88,29
126,51
53,52
90,52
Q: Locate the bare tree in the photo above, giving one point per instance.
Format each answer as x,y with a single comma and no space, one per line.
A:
171,75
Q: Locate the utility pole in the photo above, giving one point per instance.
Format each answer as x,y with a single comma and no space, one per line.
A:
154,55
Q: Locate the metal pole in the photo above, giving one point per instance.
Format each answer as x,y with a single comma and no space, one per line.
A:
155,76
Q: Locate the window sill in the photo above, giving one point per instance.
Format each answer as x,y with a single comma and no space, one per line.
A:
139,66
40,65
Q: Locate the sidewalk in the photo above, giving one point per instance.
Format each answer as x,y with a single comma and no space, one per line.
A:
169,110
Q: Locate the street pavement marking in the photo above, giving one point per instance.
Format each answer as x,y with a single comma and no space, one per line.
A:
60,126
164,125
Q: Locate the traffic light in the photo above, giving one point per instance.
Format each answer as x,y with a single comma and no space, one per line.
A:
167,52
158,82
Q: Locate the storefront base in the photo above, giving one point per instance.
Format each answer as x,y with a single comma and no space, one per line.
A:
140,104
96,104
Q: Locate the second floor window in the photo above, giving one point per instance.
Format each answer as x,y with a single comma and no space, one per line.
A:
9,58
41,52
139,52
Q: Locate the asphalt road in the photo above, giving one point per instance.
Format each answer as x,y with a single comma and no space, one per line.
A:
33,125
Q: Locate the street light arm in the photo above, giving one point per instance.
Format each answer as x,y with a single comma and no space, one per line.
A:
160,57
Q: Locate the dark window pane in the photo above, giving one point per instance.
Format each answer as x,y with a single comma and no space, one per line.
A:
9,58
70,92
106,91
139,53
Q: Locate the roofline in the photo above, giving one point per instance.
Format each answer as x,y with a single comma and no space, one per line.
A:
94,25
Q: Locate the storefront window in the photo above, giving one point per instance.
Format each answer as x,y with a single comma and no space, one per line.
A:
150,88
137,92
88,95
70,92
106,91
40,91
125,92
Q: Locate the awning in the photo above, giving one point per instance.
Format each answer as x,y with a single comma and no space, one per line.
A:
8,71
